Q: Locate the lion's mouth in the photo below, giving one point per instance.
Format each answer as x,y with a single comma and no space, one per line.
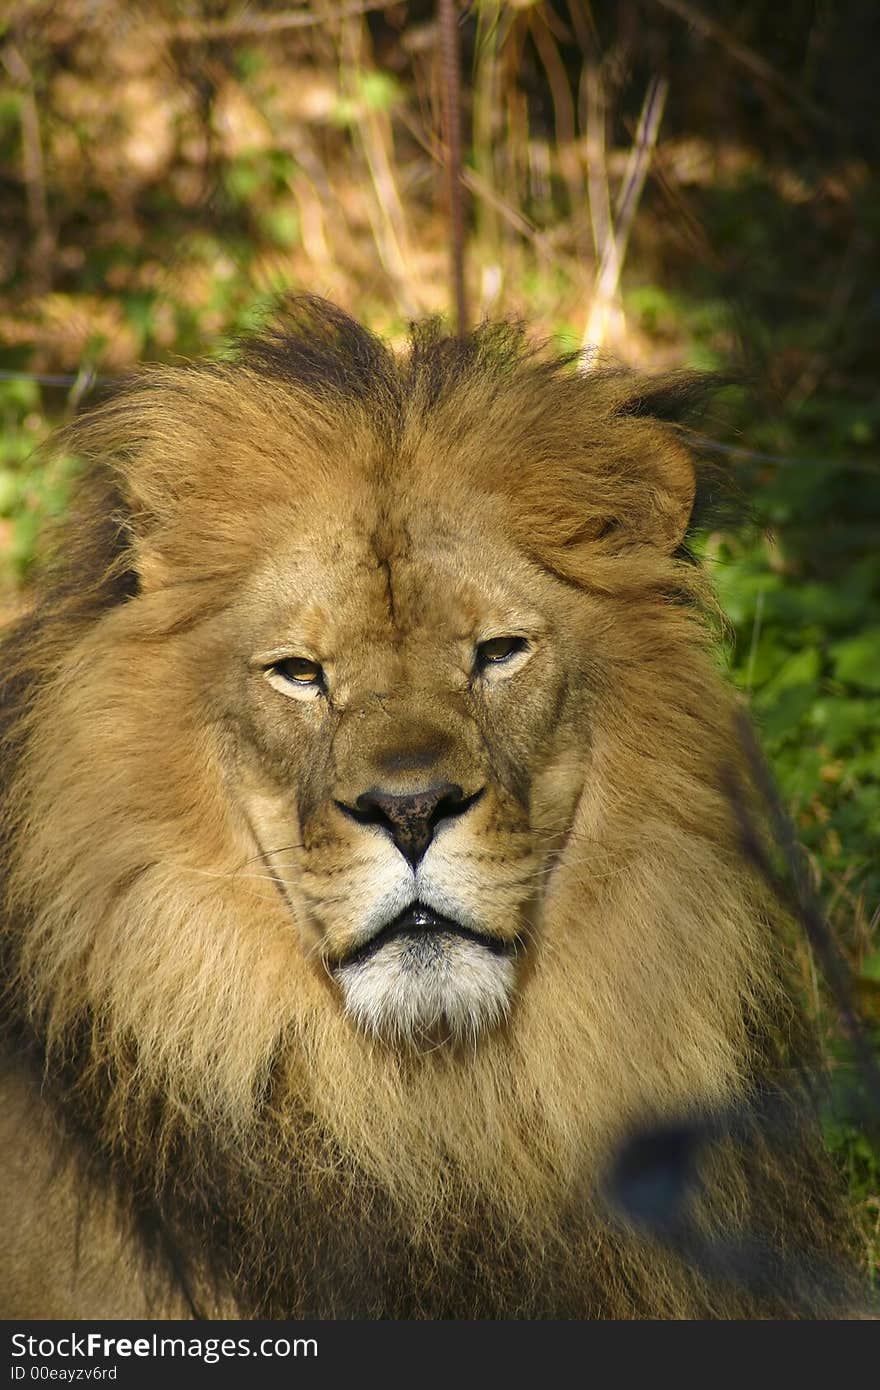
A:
424,935
426,977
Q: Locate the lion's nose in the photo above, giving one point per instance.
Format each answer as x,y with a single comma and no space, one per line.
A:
411,818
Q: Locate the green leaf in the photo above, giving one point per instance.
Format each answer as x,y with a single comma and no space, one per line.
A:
857,659
10,488
801,669
378,90
19,394
841,723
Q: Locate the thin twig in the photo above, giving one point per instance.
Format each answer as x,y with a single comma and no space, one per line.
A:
639,159
451,101
736,451
563,105
199,30
482,189
373,132
485,109
42,252
597,187
753,645
616,239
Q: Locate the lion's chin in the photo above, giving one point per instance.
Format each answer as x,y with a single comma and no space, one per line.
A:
424,979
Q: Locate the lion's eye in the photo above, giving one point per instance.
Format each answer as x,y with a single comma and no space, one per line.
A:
297,668
296,675
499,649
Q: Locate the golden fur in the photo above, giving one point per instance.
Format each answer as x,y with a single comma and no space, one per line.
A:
181,879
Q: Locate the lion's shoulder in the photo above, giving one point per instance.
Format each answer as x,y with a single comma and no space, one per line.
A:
54,1263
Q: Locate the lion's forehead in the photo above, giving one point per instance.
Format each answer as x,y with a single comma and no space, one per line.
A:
375,580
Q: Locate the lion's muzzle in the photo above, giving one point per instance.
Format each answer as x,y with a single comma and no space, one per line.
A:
424,974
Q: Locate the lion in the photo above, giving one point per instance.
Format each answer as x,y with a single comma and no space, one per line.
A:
371,870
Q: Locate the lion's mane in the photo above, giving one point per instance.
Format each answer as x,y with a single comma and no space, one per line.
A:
273,1161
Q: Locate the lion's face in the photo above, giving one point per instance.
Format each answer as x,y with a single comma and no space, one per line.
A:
346,713
405,690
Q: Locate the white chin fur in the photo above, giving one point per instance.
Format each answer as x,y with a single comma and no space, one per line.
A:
414,987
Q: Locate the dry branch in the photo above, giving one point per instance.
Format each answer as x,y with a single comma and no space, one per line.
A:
611,234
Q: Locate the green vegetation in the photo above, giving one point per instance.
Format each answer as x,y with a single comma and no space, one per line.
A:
165,172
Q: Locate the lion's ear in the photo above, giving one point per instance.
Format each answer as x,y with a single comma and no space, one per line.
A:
655,497
633,493
646,484
629,491
658,486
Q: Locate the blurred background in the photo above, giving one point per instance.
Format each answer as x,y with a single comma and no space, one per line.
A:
674,183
